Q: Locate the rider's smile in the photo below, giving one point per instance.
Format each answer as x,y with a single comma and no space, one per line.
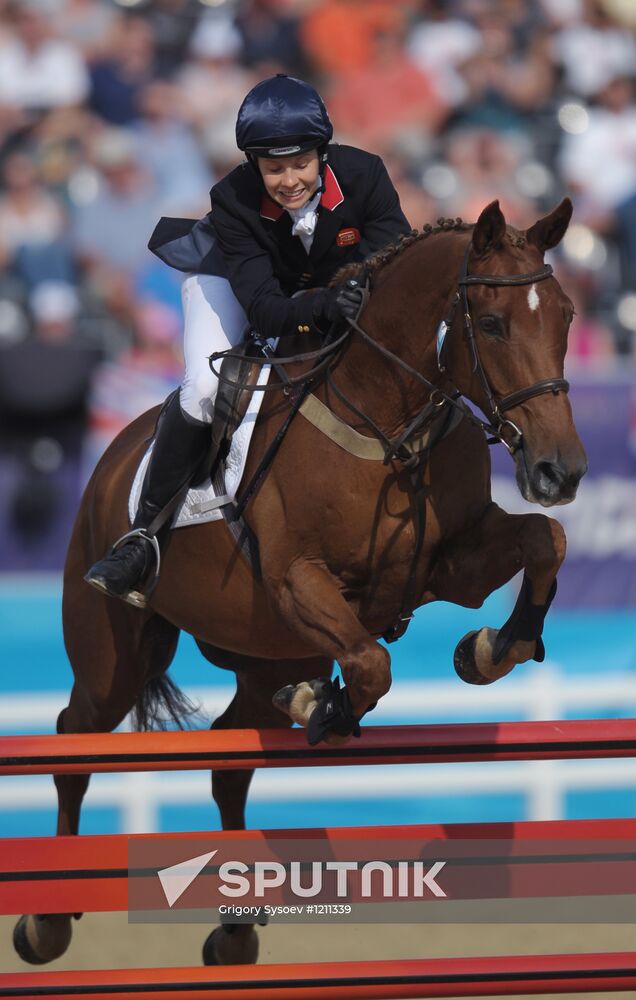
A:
291,180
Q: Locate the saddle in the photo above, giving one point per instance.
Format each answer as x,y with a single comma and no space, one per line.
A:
237,374
232,400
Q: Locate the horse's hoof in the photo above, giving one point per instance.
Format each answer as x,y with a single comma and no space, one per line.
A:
282,699
227,947
464,660
298,701
30,936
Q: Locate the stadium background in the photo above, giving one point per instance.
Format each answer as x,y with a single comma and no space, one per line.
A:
114,114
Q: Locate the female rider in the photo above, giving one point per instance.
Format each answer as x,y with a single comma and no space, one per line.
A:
285,220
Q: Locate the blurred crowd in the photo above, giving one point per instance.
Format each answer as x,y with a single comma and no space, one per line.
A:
115,113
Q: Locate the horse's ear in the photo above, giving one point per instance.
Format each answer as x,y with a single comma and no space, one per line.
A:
489,229
547,232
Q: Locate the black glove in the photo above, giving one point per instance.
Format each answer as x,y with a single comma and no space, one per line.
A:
343,301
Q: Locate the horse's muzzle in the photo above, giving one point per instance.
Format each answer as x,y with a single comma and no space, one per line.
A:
550,482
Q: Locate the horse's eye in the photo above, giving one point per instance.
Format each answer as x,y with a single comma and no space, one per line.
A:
491,325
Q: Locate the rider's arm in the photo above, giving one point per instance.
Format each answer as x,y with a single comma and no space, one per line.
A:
384,219
251,274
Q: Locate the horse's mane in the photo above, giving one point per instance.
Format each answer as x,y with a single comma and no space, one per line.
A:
370,267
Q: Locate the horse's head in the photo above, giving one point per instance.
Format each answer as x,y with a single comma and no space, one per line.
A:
517,338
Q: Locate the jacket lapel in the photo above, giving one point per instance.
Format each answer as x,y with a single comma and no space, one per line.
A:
327,228
330,219
280,225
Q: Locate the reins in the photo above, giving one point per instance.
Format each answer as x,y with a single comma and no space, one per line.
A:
497,424
322,355
497,427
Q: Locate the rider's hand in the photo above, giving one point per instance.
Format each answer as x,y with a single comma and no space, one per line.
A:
344,301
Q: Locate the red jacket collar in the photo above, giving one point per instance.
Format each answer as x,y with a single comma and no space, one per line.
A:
332,196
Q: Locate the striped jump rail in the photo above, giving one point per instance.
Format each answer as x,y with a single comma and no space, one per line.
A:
90,873
87,753
530,975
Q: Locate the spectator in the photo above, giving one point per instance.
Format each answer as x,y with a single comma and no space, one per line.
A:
439,45
270,38
211,85
118,79
44,384
591,48
510,76
607,137
484,164
86,25
374,105
339,36
33,226
111,230
172,23
169,153
138,379
590,341
38,71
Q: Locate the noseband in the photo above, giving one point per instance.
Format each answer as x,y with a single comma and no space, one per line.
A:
497,407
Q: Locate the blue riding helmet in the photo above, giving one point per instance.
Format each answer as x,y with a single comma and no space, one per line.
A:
282,116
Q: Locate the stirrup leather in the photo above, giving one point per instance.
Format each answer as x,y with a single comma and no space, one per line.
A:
138,598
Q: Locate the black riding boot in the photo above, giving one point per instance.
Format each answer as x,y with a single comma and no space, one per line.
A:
179,448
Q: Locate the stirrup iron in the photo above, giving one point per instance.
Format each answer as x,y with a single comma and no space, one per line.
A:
139,598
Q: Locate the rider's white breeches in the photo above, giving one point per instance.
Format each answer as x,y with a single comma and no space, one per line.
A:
214,320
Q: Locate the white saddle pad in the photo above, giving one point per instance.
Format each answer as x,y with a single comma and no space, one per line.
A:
202,504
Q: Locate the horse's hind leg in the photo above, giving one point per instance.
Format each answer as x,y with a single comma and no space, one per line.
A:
483,559
114,650
251,708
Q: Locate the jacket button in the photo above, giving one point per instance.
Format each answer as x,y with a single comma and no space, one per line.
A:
300,329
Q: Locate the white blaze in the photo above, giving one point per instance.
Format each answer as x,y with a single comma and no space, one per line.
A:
533,298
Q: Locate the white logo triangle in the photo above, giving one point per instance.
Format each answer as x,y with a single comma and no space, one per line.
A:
176,879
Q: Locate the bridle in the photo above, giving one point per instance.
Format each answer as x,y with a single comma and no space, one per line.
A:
497,406
498,427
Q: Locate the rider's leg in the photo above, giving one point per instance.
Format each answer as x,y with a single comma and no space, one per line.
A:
214,321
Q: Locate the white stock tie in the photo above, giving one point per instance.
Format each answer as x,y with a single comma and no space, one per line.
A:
304,220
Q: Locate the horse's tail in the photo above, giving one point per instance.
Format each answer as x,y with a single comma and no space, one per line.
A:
161,702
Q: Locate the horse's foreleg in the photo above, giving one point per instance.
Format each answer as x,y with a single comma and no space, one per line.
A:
313,606
483,559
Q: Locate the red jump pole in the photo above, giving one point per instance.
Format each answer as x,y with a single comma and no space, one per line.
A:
529,975
249,748
90,873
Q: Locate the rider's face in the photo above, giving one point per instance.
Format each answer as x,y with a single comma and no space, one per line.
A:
290,180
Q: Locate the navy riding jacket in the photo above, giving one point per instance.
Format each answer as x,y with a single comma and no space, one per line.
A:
247,238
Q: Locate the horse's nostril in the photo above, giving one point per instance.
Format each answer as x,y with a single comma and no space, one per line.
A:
554,481
550,473
549,482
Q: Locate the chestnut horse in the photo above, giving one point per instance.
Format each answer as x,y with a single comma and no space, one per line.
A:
348,547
